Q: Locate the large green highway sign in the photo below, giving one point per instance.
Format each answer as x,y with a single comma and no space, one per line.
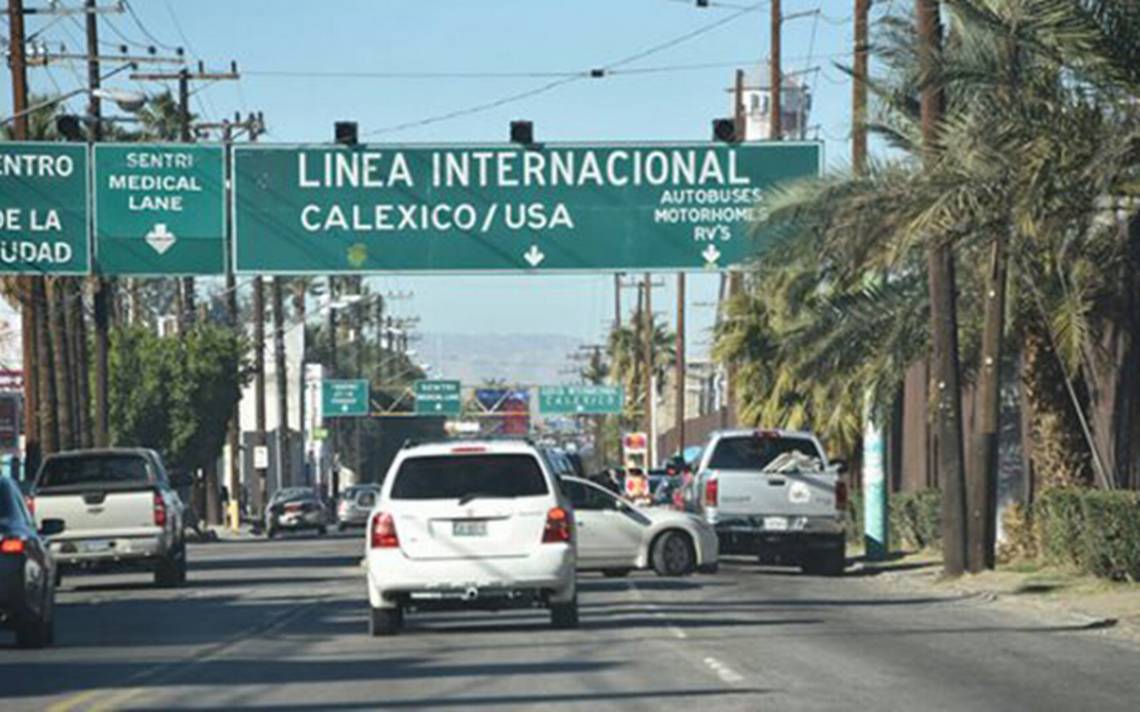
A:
580,400
437,398
159,209
325,209
43,209
344,398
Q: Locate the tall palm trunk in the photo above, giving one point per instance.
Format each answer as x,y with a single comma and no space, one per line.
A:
77,337
49,405
282,378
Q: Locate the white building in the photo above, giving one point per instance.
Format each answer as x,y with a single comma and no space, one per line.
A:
795,105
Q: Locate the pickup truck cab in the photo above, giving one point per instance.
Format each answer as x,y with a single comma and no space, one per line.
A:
119,510
773,495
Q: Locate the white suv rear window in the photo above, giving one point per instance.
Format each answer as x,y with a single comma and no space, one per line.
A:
457,476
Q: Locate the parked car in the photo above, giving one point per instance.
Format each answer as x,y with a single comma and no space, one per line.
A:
27,570
616,536
474,524
295,509
772,494
120,511
355,504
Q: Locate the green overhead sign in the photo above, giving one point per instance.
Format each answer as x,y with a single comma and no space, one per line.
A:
337,209
344,398
580,400
437,398
159,209
43,208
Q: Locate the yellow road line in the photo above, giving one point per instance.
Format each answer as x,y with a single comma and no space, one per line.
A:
72,702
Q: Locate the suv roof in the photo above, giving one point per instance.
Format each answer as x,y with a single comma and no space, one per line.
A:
469,447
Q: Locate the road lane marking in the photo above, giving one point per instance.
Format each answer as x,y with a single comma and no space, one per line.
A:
724,672
656,612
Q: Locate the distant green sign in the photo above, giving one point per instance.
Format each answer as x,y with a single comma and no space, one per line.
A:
360,209
160,209
344,398
438,398
43,208
580,400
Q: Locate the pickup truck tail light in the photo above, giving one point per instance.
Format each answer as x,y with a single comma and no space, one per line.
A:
712,492
840,495
159,510
383,532
12,546
557,529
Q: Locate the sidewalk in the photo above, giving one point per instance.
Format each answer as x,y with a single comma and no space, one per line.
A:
1051,592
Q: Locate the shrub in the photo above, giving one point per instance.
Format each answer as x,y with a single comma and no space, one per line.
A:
855,517
1110,535
916,519
1059,523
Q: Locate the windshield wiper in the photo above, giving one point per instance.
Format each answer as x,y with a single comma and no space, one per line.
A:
475,495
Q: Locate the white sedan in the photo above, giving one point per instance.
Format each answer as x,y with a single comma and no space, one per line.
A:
616,536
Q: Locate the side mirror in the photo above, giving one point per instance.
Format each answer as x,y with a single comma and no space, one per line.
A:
840,466
181,479
51,527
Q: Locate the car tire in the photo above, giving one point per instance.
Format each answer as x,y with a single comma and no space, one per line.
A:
36,632
615,573
673,554
564,616
171,570
385,621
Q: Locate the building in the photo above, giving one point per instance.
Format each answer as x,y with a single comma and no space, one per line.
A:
795,105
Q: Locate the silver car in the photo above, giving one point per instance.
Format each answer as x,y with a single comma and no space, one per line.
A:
294,509
355,504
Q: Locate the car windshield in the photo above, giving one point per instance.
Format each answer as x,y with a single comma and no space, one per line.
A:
293,495
113,470
756,452
457,476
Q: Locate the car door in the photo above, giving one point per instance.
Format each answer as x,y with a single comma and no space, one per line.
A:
609,530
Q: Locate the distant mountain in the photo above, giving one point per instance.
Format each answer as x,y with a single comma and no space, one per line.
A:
525,359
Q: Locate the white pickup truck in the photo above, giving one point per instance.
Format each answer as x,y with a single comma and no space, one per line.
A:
773,495
120,511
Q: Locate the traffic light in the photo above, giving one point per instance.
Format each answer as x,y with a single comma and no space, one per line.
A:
522,132
345,132
69,127
724,130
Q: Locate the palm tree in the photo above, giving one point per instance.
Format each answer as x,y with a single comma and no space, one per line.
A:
626,351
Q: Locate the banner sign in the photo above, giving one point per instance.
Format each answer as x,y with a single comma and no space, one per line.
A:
43,208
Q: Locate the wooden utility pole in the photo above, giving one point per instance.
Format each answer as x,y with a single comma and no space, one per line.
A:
617,300
334,423
946,392
100,287
17,63
260,473
679,414
649,324
776,78
233,432
739,119
731,281
859,88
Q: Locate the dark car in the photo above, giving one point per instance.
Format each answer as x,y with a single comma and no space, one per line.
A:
27,571
294,509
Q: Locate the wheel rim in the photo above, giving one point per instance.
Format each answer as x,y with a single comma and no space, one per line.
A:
677,556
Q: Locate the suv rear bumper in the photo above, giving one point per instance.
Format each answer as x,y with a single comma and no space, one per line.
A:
109,550
547,574
782,547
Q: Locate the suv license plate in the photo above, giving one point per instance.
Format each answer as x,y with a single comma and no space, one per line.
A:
92,546
776,524
477,527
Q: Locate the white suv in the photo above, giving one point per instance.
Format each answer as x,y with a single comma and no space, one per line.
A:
472,524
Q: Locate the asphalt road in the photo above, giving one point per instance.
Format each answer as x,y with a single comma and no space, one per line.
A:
282,624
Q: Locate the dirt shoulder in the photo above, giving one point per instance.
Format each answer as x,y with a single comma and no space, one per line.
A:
1047,592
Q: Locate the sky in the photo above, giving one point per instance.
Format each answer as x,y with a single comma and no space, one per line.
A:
308,64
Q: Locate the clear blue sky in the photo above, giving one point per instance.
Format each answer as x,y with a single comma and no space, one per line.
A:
491,36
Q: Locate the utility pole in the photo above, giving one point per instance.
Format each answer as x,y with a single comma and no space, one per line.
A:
776,78
739,120
647,324
679,427
259,442
859,88
334,425
17,63
947,392
233,432
617,300
101,289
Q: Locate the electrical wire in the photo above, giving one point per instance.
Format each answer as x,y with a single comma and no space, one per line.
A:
146,32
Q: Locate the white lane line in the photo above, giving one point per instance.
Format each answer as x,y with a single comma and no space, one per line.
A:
724,672
654,609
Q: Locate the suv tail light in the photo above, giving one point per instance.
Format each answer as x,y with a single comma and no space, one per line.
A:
712,491
12,546
159,510
383,532
840,496
557,529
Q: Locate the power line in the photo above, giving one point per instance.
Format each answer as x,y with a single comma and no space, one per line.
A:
146,32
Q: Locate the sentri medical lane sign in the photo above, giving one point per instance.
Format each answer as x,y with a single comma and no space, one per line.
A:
159,209
549,207
43,208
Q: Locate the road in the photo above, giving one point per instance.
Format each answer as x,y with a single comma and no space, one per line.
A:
282,624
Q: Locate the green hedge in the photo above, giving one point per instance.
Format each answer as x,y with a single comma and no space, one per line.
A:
916,519
1094,531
